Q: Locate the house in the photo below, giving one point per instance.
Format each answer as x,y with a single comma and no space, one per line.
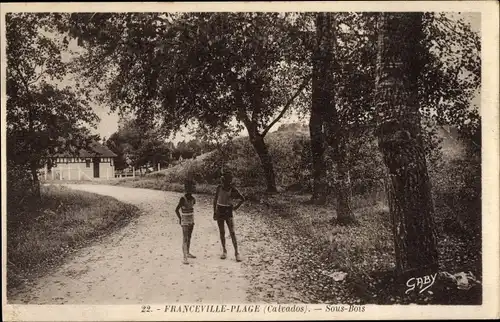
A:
93,163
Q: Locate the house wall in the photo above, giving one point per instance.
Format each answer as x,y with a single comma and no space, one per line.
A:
81,169
106,170
72,171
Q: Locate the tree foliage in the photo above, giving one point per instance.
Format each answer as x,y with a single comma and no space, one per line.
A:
42,117
223,70
136,148
209,67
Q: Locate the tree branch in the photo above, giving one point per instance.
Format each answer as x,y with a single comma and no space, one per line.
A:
23,80
41,73
241,113
288,104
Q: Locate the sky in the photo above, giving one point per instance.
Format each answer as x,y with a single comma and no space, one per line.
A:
109,121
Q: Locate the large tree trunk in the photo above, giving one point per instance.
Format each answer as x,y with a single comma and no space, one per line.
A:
400,141
335,135
317,140
265,160
345,214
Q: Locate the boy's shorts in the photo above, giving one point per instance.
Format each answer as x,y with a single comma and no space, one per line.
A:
223,213
187,220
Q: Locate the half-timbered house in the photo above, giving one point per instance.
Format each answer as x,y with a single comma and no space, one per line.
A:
96,162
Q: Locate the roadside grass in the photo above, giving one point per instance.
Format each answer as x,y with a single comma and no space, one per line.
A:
42,234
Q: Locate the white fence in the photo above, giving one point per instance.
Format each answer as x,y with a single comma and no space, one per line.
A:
70,173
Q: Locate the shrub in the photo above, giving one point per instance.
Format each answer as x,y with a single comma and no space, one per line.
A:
19,188
457,189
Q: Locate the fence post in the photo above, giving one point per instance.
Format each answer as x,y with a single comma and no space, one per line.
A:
52,173
133,172
158,167
45,174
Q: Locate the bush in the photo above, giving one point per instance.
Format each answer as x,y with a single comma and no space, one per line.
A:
20,190
291,154
457,189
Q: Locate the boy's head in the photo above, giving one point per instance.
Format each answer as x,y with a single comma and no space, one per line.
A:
227,177
189,186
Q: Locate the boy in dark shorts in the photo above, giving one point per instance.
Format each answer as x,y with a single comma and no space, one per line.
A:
186,218
223,211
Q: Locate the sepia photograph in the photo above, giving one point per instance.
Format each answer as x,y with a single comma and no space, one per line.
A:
246,162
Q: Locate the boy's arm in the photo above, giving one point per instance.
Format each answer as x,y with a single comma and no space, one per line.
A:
215,198
240,197
177,210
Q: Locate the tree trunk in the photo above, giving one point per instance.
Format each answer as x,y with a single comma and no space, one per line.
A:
334,133
33,164
265,160
399,135
345,214
257,141
319,99
34,177
317,141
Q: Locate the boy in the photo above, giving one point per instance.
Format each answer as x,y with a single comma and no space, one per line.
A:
223,211
186,219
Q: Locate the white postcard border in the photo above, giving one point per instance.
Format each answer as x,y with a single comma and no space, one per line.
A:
490,170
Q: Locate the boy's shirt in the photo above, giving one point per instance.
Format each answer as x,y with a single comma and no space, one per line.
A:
187,204
225,197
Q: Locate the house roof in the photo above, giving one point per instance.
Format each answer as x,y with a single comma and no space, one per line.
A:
96,149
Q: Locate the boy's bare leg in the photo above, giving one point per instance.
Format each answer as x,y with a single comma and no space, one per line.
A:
222,234
191,227
185,241
230,226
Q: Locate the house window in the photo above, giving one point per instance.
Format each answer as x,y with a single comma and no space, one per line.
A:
87,163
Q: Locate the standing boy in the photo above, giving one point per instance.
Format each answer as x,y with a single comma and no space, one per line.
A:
186,218
223,211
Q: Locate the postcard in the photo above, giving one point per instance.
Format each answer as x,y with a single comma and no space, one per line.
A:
250,160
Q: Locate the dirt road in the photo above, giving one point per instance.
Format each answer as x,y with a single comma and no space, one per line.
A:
142,263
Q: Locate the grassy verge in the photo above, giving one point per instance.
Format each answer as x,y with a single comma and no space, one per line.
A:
365,252
40,236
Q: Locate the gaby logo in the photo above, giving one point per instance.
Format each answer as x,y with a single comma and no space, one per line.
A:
420,283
